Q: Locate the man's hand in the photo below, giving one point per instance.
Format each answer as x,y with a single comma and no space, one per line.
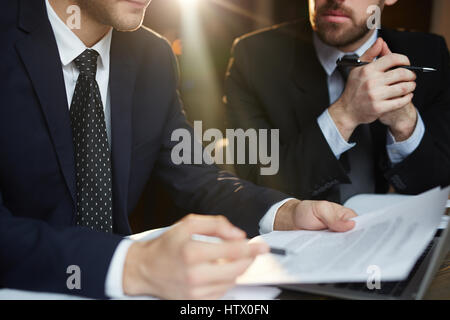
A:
403,121
375,91
174,266
314,215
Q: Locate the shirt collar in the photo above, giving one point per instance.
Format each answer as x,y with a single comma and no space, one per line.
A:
70,46
328,55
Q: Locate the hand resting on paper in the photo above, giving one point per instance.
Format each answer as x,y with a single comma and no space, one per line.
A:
314,215
174,266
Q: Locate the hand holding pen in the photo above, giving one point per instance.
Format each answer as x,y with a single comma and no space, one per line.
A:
378,90
346,62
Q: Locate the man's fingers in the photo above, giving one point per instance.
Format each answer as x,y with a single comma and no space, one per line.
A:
197,251
398,90
334,216
374,51
346,213
217,226
213,292
390,61
207,274
342,225
398,103
398,75
325,212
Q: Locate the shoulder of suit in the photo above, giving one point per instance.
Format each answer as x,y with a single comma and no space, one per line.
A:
146,37
411,37
276,34
9,13
145,43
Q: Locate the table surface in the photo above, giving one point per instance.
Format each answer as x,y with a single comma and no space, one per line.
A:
439,288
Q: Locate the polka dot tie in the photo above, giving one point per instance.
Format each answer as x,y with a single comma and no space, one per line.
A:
92,154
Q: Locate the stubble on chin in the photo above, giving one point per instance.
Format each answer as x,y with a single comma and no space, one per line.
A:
338,36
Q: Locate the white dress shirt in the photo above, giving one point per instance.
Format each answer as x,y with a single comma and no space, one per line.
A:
397,151
70,47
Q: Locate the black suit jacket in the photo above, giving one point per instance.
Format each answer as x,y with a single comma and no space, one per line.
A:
275,81
38,236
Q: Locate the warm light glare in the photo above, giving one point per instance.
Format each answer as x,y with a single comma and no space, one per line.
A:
197,64
188,2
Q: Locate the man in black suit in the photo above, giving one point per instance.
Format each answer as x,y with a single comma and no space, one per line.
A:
343,133
86,116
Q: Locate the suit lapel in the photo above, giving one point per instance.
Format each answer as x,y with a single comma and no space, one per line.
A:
121,83
308,75
40,56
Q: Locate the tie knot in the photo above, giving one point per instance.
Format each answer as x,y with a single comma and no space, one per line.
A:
344,70
87,62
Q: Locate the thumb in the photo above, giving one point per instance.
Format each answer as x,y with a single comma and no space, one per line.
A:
335,217
342,225
215,226
374,51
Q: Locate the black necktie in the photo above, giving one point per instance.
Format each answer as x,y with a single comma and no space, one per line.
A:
345,71
358,161
92,154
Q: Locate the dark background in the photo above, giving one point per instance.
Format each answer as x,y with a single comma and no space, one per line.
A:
221,21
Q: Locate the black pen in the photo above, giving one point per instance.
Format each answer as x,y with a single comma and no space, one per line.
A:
358,63
208,239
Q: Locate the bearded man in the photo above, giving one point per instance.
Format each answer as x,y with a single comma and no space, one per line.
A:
344,131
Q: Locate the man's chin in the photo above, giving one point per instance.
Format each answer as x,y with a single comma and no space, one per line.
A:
338,35
335,38
129,18
128,24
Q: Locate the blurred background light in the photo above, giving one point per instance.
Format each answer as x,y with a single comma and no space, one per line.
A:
188,2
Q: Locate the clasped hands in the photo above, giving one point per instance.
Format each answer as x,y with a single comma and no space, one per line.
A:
378,91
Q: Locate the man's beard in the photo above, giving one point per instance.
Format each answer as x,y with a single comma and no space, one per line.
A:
334,34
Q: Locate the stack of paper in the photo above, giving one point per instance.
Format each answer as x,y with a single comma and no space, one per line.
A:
388,240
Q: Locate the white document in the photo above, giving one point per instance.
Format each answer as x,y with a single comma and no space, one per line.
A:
388,240
366,203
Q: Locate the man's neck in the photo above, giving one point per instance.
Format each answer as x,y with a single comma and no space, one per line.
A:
357,44
90,32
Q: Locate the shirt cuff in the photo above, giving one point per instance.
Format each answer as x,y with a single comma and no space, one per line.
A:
331,133
266,223
114,277
399,151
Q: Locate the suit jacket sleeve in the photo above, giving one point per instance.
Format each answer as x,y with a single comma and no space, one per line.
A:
204,189
429,165
35,256
308,167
